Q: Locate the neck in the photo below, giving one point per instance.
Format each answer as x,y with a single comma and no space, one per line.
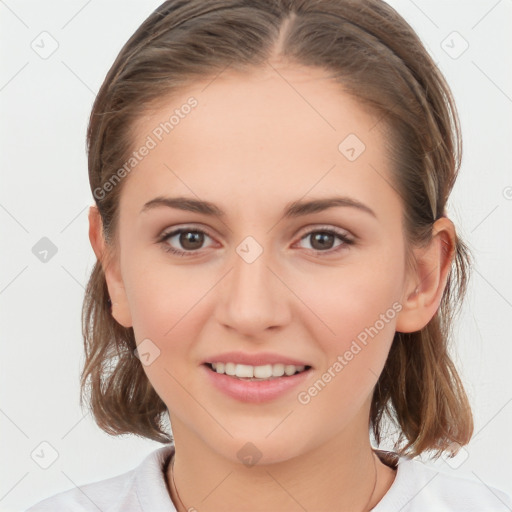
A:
337,475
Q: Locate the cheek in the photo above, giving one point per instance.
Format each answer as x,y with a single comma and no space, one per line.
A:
351,314
162,297
353,327
340,302
169,308
164,325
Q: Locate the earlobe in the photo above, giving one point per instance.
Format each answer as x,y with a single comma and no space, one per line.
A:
120,308
117,293
425,286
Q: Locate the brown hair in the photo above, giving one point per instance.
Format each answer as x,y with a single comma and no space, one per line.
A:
376,57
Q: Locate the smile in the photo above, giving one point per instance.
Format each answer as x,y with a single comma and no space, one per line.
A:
243,387
263,372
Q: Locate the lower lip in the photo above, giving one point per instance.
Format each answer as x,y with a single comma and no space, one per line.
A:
254,391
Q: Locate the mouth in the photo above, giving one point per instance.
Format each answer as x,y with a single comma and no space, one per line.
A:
256,384
246,372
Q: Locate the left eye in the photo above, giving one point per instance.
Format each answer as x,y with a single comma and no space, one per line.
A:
324,239
192,240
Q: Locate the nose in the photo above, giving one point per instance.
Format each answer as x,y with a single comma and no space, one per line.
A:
252,297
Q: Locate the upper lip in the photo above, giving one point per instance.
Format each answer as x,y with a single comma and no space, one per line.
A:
256,359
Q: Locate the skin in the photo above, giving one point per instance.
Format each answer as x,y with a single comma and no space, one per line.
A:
252,145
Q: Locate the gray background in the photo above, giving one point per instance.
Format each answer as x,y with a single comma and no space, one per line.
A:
45,100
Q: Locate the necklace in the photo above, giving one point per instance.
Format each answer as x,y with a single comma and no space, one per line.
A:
174,485
374,485
365,508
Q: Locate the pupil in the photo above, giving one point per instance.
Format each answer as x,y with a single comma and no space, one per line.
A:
191,237
321,237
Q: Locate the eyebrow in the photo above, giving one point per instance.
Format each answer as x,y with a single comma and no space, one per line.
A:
293,209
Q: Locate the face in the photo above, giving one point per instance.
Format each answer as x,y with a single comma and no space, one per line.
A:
322,287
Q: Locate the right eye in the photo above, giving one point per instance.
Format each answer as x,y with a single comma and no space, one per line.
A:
190,238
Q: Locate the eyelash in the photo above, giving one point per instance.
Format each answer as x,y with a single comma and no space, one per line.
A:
177,252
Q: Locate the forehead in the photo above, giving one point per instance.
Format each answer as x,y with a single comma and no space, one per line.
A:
278,133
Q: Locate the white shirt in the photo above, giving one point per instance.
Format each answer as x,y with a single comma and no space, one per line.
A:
416,488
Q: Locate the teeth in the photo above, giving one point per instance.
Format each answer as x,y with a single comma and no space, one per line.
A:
259,372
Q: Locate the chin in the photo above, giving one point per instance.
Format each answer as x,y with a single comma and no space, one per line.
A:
258,448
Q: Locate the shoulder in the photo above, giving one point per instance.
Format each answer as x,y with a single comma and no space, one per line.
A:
96,496
421,488
142,488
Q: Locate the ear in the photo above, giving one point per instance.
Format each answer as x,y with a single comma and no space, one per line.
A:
425,285
111,269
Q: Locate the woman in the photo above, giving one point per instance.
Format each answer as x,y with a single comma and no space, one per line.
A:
276,271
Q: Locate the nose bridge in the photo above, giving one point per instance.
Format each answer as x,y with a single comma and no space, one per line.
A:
252,299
